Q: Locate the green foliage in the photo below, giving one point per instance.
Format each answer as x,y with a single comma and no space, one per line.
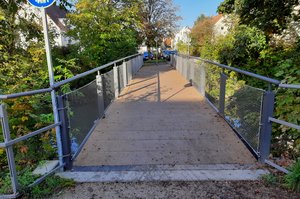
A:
202,34
261,13
51,185
245,43
182,47
105,30
248,47
270,179
23,68
292,179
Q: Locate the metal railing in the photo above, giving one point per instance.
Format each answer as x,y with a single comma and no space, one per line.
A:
227,96
129,66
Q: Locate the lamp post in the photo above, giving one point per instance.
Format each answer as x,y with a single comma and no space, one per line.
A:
156,40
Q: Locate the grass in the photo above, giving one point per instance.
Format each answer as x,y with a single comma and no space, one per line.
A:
52,184
292,179
270,179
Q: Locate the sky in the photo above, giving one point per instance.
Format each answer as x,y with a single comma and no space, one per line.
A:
191,9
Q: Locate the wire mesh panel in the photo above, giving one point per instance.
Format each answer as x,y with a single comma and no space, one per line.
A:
212,84
82,112
129,70
190,69
184,67
199,76
134,65
243,110
108,88
180,65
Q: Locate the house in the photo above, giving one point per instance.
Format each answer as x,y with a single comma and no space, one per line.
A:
167,43
56,18
221,25
183,35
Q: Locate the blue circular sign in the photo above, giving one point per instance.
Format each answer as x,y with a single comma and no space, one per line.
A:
41,3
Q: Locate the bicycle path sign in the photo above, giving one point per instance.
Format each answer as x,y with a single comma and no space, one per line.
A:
41,3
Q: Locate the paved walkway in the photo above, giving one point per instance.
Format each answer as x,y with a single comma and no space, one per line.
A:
162,120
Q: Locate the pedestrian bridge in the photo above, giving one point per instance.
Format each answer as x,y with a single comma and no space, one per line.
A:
159,118
187,119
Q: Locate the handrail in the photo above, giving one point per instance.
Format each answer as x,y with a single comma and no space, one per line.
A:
27,93
59,84
267,79
63,82
293,86
27,136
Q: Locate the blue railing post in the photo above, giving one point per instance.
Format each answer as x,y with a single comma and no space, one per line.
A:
65,133
266,125
9,149
223,79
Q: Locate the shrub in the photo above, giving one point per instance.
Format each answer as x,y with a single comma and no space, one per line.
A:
292,179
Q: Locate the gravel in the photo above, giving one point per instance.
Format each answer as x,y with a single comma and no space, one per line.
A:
203,189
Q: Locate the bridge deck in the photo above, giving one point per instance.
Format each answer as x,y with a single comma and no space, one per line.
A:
179,129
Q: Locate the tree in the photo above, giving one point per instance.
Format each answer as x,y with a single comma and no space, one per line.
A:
270,16
158,20
202,32
105,30
200,18
24,69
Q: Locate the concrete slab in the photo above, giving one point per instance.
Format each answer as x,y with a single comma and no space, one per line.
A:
164,175
162,121
46,167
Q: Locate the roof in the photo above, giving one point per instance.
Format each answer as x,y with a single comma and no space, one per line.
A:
56,13
216,18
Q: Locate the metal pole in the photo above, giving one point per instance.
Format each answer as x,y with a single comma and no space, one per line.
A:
158,87
202,79
51,80
66,140
116,81
100,95
266,125
9,149
222,93
124,73
156,53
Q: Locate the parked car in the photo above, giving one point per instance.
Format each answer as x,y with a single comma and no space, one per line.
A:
148,55
168,53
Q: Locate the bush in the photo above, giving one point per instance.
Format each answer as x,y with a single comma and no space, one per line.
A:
292,179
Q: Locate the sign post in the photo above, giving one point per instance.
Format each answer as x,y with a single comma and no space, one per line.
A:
43,4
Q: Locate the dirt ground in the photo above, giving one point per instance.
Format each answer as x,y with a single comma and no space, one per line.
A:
203,189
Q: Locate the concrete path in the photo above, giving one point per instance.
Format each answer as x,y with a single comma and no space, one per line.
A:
159,119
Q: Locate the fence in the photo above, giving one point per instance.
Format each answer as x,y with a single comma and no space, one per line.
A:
77,118
248,110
